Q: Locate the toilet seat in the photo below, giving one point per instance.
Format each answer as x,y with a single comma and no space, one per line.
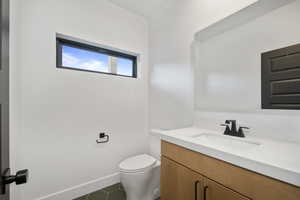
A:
138,163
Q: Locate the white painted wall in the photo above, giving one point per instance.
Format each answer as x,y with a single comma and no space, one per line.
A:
228,75
171,77
61,111
171,37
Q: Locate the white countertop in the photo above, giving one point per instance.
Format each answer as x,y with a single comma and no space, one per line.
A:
273,158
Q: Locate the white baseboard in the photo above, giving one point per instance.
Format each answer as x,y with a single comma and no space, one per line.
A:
83,189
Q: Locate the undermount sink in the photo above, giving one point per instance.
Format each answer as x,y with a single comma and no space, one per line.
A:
225,142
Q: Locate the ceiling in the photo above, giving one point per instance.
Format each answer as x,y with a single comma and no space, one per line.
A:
147,8
162,9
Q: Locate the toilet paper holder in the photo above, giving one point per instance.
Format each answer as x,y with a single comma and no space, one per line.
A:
103,138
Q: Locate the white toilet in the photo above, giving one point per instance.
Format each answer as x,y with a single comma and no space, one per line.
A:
140,177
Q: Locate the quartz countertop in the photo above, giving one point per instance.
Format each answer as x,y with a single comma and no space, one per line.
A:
273,158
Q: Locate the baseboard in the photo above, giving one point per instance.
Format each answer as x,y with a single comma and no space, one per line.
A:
85,188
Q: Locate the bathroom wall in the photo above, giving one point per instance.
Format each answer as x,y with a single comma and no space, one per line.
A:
61,112
228,78
171,37
171,77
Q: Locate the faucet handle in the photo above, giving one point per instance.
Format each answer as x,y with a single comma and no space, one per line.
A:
241,131
224,124
244,127
227,125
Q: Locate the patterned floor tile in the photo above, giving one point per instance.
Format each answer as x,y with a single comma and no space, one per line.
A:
99,195
113,187
82,198
114,192
117,195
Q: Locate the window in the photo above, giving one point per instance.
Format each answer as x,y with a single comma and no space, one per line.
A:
83,56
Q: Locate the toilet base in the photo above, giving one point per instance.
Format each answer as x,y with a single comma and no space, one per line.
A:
138,186
141,184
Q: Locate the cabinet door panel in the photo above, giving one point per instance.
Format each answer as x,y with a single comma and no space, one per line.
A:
179,182
215,191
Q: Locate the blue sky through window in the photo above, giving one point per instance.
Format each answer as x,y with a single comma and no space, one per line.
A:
84,59
78,58
124,67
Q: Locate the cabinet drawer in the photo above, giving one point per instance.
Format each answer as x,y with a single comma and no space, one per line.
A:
248,183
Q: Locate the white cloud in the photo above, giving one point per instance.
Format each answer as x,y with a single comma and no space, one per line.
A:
93,65
69,60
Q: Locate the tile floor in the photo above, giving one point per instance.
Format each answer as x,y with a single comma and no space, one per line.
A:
114,192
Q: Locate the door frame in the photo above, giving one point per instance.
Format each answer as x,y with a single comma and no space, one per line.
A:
4,95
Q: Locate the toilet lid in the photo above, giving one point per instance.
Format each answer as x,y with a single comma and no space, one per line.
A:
137,163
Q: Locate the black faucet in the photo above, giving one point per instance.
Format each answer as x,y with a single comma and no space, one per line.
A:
231,129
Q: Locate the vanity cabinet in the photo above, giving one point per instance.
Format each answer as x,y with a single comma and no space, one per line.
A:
179,182
189,175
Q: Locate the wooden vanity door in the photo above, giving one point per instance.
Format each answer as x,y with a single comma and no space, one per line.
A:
179,182
215,191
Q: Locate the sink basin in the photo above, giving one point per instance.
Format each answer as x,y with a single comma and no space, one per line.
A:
226,142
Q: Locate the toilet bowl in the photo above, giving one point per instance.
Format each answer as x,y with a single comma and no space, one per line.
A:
140,177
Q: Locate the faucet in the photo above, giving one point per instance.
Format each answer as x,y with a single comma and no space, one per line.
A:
231,129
